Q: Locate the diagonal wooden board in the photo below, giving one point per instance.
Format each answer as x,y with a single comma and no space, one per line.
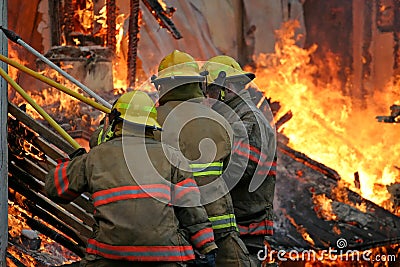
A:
296,213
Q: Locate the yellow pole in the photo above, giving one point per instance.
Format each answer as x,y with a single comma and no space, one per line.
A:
54,84
41,111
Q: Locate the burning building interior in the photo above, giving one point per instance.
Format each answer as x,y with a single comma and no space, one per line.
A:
328,71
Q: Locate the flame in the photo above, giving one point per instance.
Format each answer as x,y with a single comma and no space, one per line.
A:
76,41
51,99
303,231
340,194
328,125
85,17
120,62
102,20
16,223
163,5
323,207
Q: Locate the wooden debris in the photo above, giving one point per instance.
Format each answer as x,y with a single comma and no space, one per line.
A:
163,17
27,172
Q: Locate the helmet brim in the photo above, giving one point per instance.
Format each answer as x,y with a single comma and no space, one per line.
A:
243,78
143,121
175,81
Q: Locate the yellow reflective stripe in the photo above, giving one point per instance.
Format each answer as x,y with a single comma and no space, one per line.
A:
195,174
100,137
150,109
223,221
205,165
122,105
204,169
104,137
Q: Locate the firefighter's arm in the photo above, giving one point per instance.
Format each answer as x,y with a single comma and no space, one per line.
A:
191,214
239,161
67,180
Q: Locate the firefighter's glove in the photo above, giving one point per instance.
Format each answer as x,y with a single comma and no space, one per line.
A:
80,151
206,260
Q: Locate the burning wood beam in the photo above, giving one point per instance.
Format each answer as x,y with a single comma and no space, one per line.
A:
299,225
162,17
111,24
133,41
282,120
68,20
36,126
27,176
55,21
394,115
15,260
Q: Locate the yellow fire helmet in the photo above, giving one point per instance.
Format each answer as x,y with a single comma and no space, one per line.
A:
136,107
224,68
177,68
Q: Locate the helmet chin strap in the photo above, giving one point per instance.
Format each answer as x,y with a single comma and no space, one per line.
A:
220,81
203,85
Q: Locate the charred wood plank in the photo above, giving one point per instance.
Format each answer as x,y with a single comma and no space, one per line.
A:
111,24
34,174
160,15
48,148
52,137
282,120
49,206
34,210
299,224
15,260
55,22
47,231
78,208
68,18
133,41
70,232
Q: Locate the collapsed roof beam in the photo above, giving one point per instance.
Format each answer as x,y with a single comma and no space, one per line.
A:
162,17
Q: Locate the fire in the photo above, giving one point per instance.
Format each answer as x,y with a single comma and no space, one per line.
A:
85,17
51,99
120,62
17,223
163,5
323,207
303,231
327,125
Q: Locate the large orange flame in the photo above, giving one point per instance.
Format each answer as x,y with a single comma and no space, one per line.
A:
328,125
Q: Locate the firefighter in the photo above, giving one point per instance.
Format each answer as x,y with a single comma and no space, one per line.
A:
253,154
203,137
141,199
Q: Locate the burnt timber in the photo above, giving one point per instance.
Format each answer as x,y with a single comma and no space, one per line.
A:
26,178
299,180
299,222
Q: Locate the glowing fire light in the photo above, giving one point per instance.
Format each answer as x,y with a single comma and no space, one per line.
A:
85,17
323,207
327,125
303,231
163,5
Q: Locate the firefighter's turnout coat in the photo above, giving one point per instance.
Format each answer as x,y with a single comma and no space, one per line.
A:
140,216
204,138
253,160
